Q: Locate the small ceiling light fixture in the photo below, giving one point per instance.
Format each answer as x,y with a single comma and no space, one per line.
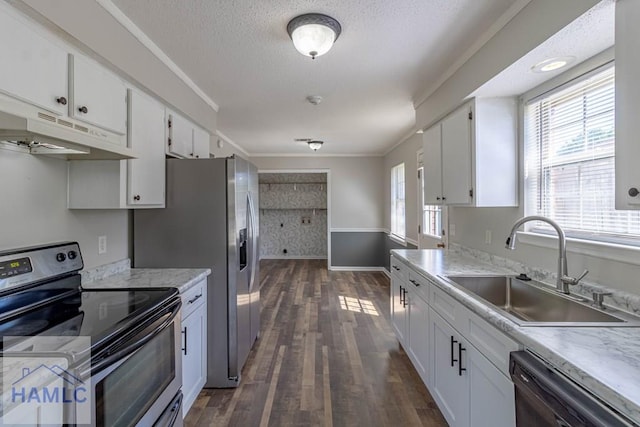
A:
313,34
552,64
315,145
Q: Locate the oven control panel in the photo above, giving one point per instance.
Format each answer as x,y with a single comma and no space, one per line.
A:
24,266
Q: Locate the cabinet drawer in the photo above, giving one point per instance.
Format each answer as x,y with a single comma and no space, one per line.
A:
194,298
420,283
399,268
492,343
450,309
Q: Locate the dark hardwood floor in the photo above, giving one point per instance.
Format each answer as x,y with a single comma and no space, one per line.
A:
327,356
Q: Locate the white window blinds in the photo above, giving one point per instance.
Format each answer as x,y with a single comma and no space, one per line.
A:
397,201
569,160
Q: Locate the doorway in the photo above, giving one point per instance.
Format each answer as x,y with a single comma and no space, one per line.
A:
432,219
294,215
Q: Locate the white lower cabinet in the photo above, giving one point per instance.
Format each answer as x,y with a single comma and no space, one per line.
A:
194,343
398,308
418,334
462,359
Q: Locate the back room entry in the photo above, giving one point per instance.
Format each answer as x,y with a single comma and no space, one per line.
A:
293,215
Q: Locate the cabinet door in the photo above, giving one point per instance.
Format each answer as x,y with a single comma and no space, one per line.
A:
98,96
491,393
456,158
200,143
33,69
180,140
399,317
627,94
146,136
447,386
419,335
432,158
193,356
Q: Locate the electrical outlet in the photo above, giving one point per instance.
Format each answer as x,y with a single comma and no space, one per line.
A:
102,245
452,230
487,237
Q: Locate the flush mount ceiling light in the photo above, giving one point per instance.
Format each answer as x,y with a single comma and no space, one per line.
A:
313,34
315,145
552,64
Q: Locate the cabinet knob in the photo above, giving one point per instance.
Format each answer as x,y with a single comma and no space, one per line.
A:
62,100
191,154
83,109
197,157
137,197
444,198
437,198
633,192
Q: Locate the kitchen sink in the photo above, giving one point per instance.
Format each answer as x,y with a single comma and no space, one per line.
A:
530,303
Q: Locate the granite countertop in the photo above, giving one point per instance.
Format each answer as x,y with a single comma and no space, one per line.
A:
604,360
181,278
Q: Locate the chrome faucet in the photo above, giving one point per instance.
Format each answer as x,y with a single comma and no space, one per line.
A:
563,280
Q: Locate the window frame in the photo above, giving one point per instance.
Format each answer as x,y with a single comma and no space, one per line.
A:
585,238
394,231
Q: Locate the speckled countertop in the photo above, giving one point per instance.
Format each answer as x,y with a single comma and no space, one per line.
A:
606,361
181,278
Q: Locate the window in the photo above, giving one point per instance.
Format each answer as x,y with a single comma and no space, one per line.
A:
397,201
569,160
431,214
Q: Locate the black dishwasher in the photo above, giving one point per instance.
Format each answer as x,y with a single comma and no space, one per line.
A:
544,397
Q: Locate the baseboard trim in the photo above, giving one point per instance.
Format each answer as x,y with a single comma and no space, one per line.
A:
341,268
292,257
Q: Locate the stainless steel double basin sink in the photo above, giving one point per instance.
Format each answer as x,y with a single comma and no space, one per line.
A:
530,303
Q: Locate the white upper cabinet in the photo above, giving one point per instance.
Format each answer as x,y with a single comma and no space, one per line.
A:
33,68
200,143
478,155
627,57
146,135
126,184
432,158
185,139
98,97
457,183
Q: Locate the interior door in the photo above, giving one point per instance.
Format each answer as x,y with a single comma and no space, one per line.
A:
432,218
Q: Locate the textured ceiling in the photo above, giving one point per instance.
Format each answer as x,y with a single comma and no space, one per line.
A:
239,53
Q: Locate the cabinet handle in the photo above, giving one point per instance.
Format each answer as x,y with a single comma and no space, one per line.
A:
136,197
453,360
401,300
395,267
83,109
62,100
184,332
405,297
460,350
414,282
194,299
633,192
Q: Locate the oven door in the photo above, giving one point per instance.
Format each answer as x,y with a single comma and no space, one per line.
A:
139,379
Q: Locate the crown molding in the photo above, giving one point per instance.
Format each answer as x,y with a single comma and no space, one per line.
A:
315,155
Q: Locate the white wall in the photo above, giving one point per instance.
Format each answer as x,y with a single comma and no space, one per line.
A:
407,153
356,186
33,210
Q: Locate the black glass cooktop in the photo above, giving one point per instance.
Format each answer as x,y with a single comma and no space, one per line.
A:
102,315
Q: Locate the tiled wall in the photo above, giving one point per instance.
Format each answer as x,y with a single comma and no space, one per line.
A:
293,215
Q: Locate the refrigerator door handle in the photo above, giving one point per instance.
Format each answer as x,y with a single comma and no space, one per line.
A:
253,241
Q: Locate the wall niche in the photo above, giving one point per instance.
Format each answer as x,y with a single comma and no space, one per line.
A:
293,215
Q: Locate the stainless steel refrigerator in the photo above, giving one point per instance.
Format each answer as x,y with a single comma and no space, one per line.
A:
211,221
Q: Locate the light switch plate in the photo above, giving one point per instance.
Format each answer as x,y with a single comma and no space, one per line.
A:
452,230
102,245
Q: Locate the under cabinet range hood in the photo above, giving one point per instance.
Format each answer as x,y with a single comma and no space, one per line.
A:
38,131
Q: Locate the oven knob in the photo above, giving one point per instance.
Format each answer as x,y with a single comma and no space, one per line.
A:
72,254
61,256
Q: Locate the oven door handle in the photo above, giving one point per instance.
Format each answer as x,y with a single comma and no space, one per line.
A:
169,313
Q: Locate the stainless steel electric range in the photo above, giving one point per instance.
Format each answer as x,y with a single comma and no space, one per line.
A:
72,356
